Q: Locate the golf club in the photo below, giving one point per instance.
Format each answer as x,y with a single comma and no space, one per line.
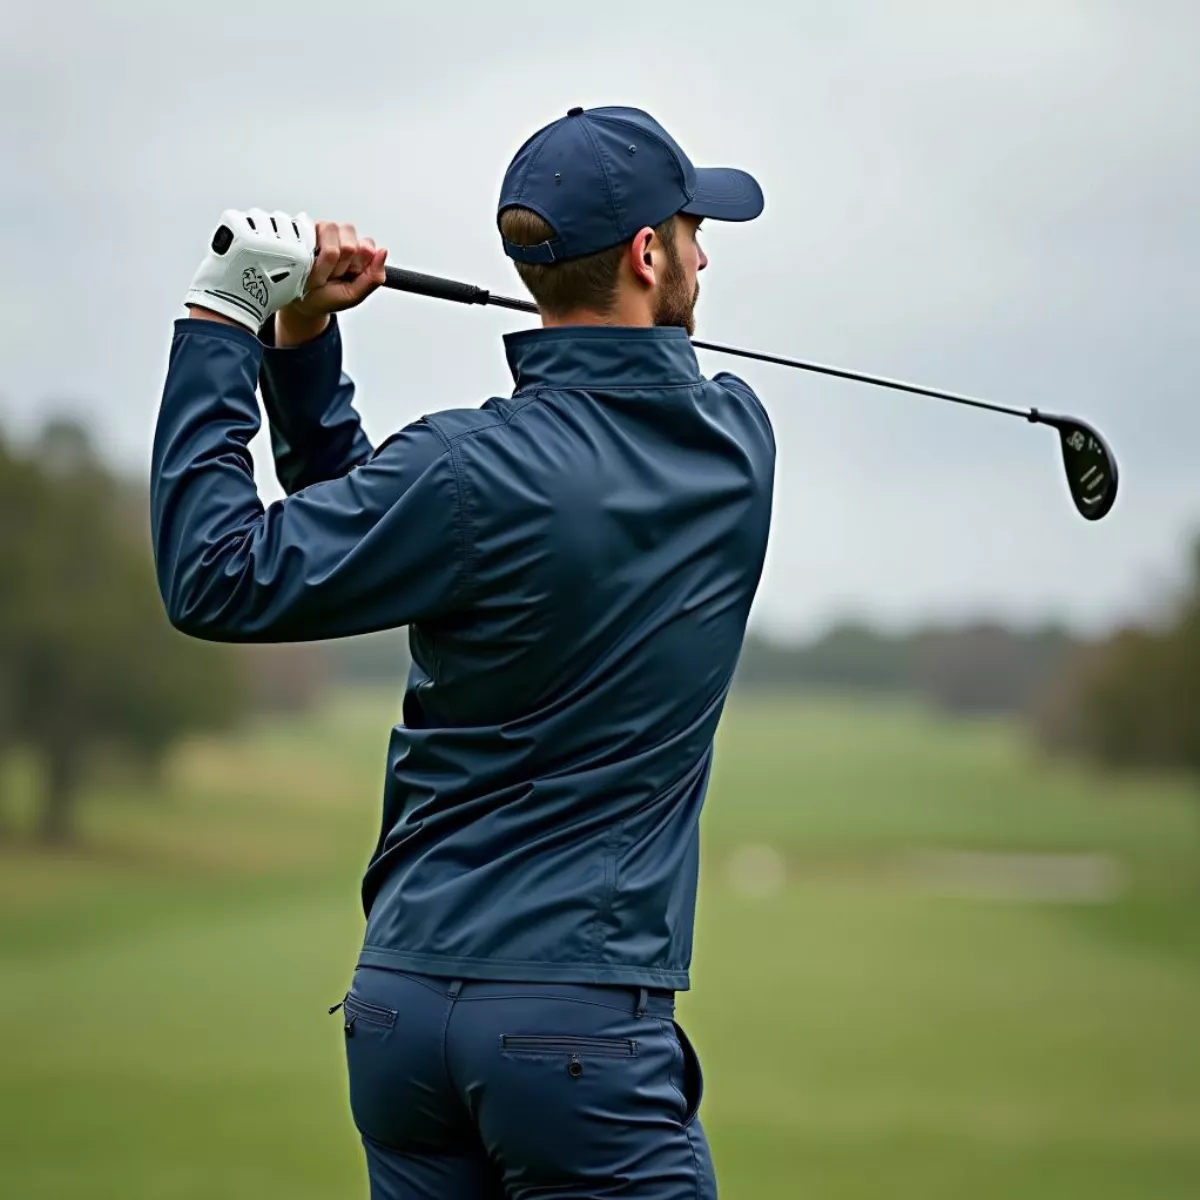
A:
1090,466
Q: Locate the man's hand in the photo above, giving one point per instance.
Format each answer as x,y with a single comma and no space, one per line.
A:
347,269
262,264
257,262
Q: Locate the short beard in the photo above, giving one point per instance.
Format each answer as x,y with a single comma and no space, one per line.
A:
675,307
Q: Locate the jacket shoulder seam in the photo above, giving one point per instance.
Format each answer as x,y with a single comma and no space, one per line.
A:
461,522
501,418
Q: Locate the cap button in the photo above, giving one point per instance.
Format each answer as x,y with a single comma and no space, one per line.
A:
574,112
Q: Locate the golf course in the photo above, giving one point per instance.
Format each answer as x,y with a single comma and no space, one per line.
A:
929,964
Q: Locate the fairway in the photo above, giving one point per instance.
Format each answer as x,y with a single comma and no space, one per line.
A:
902,1005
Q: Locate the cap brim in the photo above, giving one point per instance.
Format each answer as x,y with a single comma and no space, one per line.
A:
725,194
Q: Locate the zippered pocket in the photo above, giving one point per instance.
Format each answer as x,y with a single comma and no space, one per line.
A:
360,1010
568,1044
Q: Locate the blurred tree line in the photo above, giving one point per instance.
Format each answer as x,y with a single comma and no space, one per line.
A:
91,671
1129,699
1132,699
88,661
89,665
981,668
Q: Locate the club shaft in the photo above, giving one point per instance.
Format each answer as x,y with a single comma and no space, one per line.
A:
861,377
465,293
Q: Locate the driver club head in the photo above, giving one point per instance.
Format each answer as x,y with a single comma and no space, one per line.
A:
1089,463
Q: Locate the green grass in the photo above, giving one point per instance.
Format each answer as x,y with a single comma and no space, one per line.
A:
163,993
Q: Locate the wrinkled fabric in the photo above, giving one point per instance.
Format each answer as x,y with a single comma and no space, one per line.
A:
575,563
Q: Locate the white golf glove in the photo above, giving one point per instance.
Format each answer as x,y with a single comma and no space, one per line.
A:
257,262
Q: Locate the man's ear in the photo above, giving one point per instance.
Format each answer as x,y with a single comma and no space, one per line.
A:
641,256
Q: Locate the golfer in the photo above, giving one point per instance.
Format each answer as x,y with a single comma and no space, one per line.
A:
575,563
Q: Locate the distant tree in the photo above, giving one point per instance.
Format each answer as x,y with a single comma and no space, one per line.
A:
1133,699
274,678
372,658
285,677
86,653
849,656
975,669
986,668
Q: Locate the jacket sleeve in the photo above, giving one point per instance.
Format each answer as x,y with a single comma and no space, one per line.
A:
316,433
380,547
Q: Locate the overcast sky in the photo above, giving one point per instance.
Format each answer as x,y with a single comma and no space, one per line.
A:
995,198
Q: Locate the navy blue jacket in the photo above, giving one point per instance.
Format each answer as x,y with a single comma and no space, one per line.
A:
575,564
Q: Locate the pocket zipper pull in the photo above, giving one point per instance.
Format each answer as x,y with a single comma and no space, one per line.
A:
575,1067
336,1007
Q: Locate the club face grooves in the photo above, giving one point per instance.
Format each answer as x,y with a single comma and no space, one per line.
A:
1090,466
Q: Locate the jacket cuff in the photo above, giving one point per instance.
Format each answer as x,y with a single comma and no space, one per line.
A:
318,345
201,327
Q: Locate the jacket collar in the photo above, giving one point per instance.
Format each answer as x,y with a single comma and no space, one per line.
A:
597,356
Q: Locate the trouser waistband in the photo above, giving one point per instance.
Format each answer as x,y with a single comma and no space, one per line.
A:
656,1002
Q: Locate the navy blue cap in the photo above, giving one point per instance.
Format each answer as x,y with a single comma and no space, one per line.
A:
598,175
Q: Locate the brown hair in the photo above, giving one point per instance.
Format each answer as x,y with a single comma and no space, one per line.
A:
559,288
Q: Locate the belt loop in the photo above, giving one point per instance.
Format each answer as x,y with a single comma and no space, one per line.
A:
642,1000
455,988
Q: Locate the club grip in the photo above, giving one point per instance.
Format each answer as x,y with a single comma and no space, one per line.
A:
435,286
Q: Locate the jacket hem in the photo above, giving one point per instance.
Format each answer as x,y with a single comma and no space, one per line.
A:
518,971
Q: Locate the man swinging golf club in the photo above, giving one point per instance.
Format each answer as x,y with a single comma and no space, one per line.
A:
575,563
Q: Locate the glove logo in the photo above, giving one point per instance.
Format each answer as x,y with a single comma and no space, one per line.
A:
255,285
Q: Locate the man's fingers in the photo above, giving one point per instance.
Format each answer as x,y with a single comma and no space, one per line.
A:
259,220
346,268
327,236
362,259
347,250
328,253
237,220
287,225
308,231
372,276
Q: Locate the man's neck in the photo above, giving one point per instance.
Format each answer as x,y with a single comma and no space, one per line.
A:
625,313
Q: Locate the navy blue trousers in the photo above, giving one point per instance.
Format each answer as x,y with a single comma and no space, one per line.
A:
502,1091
